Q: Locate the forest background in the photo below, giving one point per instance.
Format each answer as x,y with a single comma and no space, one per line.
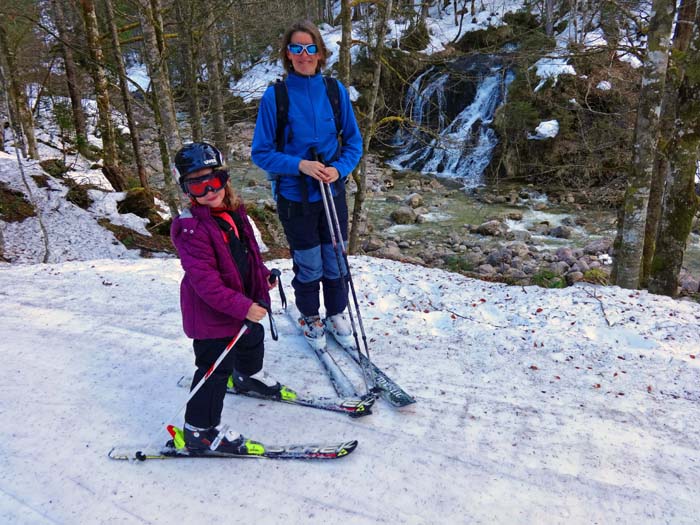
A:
633,146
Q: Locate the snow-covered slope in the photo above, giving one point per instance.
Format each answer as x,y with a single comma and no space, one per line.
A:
533,406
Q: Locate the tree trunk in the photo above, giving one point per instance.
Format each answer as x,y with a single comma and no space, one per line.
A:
22,118
667,125
345,42
162,100
126,97
630,242
215,84
549,17
361,177
680,201
109,147
183,13
72,78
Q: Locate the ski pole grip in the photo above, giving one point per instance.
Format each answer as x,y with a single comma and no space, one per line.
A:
273,327
276,275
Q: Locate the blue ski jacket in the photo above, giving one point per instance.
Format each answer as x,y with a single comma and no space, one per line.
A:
311,125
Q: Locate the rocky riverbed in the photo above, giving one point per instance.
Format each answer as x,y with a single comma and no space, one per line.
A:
518,235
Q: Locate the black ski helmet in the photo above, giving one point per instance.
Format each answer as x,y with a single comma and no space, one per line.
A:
195,156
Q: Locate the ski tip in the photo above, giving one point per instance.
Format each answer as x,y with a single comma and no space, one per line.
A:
347,448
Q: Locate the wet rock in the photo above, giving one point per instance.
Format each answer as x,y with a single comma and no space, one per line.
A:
414,200
486,270
492,228
573,277
559,268
404,215
518,249
561,232
688,283
500,256
598,247
372,244
518,235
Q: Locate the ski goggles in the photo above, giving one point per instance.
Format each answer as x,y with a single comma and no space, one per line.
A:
200,186
298,49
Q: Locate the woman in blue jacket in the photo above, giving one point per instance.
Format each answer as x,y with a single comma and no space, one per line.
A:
311,153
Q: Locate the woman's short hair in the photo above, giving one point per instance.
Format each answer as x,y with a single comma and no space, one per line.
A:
304,26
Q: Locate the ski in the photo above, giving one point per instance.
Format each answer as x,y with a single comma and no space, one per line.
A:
354,407
342,385
175,448
388,389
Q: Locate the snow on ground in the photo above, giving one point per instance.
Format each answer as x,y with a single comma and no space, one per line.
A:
533,406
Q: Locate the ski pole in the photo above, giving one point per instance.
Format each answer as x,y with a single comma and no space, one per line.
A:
369,383
351,282
139,454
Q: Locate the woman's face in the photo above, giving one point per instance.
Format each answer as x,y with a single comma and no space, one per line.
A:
213,199
303,64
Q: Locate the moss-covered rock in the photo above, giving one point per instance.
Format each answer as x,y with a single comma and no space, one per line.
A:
14,207
54,167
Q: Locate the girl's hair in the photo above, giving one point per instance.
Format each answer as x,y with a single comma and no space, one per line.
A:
232,200
304,26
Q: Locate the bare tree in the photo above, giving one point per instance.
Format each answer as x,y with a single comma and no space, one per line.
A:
72,76
99,76
19,109
215,83
345,42
126,97
630,241
184,14
680,201
360,177
667,126
169,136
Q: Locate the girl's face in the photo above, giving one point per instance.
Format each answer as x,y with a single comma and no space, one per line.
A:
213,199
304,64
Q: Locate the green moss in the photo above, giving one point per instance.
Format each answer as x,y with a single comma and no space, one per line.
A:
54,167
416,37
548,279
455,263
595,276
14,207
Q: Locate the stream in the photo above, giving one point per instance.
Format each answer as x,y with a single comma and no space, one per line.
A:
448,208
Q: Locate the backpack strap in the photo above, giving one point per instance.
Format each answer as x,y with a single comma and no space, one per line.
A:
282,103
333,93
237,242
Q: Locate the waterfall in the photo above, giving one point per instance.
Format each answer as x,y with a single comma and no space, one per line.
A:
451,112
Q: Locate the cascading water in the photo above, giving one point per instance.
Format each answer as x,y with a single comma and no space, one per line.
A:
451,111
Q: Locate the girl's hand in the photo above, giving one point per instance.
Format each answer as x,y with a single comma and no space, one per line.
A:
256,313
272,284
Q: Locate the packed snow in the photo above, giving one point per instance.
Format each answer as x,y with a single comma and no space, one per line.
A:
570,406
547,129
533,406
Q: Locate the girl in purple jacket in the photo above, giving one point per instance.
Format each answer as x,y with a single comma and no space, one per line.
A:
225,281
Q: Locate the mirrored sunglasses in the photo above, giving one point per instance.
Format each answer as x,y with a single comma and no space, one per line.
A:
200,186
298,49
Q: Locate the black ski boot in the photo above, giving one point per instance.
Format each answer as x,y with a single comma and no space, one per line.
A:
260,383
216,439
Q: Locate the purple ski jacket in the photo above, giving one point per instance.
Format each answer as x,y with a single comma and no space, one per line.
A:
212,295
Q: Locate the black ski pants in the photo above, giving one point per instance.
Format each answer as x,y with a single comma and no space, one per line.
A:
204,409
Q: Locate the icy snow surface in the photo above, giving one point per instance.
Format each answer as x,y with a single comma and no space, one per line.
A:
533,406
